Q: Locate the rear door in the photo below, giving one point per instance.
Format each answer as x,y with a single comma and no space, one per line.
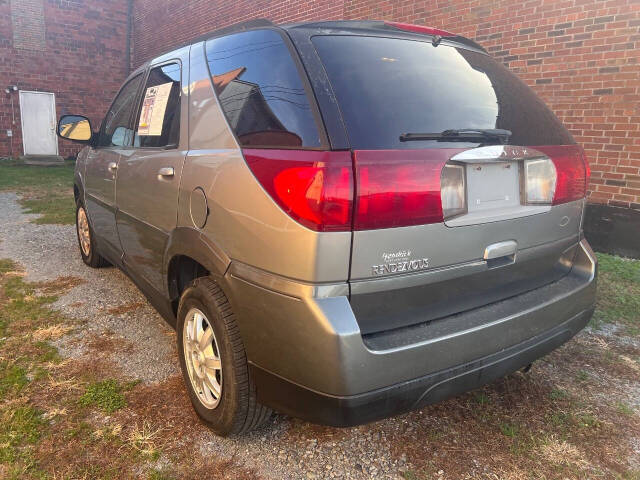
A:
443,225
149,173
114,138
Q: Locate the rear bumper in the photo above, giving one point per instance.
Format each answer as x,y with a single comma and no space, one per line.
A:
344,411
309,359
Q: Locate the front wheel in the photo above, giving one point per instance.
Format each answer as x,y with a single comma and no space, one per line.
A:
214,362
86,239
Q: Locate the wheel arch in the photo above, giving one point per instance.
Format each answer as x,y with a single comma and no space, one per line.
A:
190,255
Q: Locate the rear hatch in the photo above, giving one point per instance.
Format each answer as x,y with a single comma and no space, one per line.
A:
468,189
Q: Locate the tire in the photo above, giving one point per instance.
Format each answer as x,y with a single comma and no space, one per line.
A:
236,409
90,254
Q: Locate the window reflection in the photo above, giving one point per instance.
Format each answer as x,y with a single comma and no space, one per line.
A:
260,90
387,86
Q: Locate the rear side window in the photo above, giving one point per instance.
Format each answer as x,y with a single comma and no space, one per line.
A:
260,90
116,126
158,122
386,87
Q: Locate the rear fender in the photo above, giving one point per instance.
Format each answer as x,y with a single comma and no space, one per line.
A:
194,244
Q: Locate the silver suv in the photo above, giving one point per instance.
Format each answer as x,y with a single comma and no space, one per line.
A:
343,220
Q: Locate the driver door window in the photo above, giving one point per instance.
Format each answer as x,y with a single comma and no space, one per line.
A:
116,127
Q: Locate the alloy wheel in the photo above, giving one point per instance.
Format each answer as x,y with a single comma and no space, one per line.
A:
202,358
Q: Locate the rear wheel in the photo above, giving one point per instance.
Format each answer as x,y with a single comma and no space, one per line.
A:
214,362
86,239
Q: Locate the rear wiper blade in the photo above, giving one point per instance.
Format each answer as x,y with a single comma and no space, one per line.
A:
460,135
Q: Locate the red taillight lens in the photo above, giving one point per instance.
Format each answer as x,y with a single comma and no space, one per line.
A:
571,171
314,188
398,188
421,29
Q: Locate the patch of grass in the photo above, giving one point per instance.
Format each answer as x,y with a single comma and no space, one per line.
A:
48,353
161,475
7,265
559,419
44,190
618,297
624,409
481,398
587,420
558,394
106,395
582,376
53,208
12,379
509,429
19,427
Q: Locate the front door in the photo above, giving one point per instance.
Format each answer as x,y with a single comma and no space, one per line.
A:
114,139
149,175
38,114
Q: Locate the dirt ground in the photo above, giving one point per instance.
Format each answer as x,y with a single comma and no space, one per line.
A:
90,388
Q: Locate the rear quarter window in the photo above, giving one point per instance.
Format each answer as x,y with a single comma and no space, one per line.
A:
387,86
261,92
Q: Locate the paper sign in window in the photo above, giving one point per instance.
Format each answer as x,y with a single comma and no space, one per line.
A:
153,109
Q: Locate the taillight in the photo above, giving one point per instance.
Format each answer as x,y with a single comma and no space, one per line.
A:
315,188
453,190
398,188
539,181
571,172
421,29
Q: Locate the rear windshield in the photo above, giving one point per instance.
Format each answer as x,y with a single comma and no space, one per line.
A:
386,87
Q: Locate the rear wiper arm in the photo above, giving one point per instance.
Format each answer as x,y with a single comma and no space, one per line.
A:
460,135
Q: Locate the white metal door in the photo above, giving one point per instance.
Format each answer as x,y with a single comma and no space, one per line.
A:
38,115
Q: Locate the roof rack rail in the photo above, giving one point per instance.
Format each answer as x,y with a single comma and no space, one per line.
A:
236,27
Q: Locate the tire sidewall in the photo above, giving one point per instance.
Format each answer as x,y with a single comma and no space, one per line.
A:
221,418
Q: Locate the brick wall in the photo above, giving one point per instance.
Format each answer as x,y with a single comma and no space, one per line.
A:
73,48
160,25
581,56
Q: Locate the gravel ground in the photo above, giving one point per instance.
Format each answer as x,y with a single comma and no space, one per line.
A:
109,308
48,252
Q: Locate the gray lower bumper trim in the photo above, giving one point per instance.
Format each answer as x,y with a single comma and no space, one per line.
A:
295,400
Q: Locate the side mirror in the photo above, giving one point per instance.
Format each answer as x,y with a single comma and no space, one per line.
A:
75,127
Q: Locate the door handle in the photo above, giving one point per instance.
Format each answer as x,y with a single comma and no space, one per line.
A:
166,172
113,166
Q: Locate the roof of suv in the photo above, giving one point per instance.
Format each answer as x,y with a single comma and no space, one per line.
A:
377,27
342,27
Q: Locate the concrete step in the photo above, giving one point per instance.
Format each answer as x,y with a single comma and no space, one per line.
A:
43,160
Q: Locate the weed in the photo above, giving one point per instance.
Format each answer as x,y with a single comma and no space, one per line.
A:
106,395
558,394
12,378
7,266
19,427
481,398
624,409
161,475
582,376
509,429
587,420
143,440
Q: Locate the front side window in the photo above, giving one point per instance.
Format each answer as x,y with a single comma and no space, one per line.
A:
260,90
116,126
158,121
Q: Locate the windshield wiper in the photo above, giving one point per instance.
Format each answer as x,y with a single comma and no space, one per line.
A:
461,135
